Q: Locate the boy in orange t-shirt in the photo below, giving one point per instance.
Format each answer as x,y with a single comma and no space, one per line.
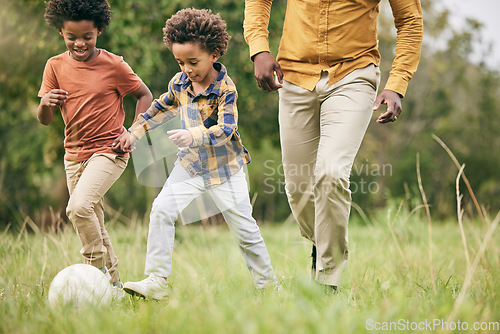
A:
88,85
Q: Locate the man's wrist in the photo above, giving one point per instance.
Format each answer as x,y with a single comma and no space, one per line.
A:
257,54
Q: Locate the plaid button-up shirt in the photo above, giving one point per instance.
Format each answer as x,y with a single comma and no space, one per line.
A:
211,117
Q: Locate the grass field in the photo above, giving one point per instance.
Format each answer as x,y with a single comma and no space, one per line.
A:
388,284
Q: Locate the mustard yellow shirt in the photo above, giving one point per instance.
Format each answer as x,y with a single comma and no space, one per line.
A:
337,36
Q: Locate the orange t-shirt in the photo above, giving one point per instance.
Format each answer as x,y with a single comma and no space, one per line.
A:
93,112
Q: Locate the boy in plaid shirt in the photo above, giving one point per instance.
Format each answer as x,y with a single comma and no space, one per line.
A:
210,152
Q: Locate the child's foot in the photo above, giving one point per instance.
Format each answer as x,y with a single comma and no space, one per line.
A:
118,292
105,272
116,287
152,287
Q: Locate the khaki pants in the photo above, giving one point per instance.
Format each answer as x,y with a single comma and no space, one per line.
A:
88,181
321,132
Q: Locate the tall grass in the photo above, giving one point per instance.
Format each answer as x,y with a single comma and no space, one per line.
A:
387,280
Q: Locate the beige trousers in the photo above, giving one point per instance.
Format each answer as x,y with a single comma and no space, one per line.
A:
88,181
321,132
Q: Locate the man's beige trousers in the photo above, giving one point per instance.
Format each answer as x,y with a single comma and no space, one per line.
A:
321,132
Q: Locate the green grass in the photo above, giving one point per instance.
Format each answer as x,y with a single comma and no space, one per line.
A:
388,279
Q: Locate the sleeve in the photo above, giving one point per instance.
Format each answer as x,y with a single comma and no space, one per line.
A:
227,120
255,25
161,111
49,80
126,79
410,28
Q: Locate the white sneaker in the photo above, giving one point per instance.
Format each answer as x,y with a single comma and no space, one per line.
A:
153,287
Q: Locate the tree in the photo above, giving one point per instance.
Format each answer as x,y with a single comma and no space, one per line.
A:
449,96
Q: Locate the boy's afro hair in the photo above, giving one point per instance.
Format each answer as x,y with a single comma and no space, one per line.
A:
58,11
197,25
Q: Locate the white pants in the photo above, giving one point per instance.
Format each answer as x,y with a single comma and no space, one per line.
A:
231,198
321,132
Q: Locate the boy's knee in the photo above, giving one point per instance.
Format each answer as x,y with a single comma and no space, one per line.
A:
247,234
160,213
78,208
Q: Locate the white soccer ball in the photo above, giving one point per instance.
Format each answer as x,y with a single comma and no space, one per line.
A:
81,285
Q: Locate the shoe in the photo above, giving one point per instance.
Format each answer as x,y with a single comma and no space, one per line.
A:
106,272
152,287
117,291
330,289
313,255
327,288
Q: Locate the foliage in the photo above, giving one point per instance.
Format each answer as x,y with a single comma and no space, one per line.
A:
31,174
449,96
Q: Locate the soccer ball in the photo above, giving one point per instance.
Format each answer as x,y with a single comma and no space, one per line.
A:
81,285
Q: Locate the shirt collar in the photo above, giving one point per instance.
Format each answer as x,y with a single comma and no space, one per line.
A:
183,81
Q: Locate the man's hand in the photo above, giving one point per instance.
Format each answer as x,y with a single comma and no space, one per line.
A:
393,102
265,66
180,137
124,143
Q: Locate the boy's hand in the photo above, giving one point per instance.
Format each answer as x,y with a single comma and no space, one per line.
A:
54,98
124,143
180,137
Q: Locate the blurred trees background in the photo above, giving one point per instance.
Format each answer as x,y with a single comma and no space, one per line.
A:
450,96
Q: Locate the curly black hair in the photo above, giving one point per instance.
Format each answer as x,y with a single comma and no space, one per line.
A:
197,25
58,11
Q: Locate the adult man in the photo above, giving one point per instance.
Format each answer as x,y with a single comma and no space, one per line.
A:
328,76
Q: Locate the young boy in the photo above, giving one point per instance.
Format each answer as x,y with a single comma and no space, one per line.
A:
210,151
88,85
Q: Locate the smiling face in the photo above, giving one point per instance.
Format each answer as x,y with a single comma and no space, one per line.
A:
80,38
196,63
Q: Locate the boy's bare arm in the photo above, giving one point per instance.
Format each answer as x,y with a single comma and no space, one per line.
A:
48,103
144,99
125,141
